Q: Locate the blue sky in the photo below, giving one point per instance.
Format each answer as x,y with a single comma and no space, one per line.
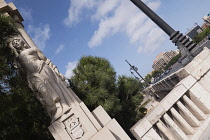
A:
113,29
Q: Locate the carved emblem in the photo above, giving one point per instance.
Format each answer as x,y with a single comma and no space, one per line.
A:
74,127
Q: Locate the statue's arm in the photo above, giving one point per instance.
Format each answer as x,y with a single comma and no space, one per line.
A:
41,55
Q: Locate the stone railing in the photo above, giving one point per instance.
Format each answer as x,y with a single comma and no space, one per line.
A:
184,113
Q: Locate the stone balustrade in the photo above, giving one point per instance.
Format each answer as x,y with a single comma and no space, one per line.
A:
184,113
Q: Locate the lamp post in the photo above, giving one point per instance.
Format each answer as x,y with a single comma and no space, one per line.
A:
181,41
136,70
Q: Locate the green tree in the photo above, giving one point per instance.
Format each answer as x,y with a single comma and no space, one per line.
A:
21,116
94,82
155,73
130,98
148,78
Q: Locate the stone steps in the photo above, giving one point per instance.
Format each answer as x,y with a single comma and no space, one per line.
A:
185,120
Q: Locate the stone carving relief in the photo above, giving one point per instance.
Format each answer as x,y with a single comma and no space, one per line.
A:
43,78
74,127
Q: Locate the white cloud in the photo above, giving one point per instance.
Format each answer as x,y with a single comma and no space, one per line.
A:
118,16
40,35
59,49
76,8
69,68
26,14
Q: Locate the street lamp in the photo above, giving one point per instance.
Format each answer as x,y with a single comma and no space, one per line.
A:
136,70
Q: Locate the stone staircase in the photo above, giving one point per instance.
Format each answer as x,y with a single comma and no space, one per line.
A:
184,113
186,119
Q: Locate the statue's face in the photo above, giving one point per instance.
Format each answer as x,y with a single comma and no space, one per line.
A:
18,44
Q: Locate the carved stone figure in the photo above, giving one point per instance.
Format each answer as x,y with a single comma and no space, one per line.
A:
43,78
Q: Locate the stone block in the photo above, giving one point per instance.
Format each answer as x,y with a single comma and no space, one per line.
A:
101,116
200,97
103,134
203,54
2,3
205,82
173,97
182,73
155,114
200,70
189,68
151,135
117,130
141,128
90,116
188,82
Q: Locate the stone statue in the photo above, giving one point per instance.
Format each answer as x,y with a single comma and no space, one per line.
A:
43,78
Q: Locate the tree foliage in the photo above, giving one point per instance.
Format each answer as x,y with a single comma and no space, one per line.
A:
155,73
202,35
148,78
94,82
130,98
21,115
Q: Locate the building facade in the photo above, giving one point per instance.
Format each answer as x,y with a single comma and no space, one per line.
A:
193,32
163,58
206,23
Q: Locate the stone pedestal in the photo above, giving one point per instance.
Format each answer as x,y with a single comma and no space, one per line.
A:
80,123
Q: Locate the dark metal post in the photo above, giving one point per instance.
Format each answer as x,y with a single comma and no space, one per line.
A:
182,42
154,17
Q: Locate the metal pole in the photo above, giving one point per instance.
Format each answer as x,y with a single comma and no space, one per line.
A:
154,17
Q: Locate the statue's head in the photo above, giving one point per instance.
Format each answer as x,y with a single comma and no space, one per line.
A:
19,44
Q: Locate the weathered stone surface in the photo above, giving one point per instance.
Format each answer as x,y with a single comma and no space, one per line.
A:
205,82
200,70
203,54
194,109
182,73
102,117
165,132
59,132
187,115
193,65
200,97
173,96
140,128
83,128
117,130
156,113
103,134
177,132
187,82
181,122
151,135
90,116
